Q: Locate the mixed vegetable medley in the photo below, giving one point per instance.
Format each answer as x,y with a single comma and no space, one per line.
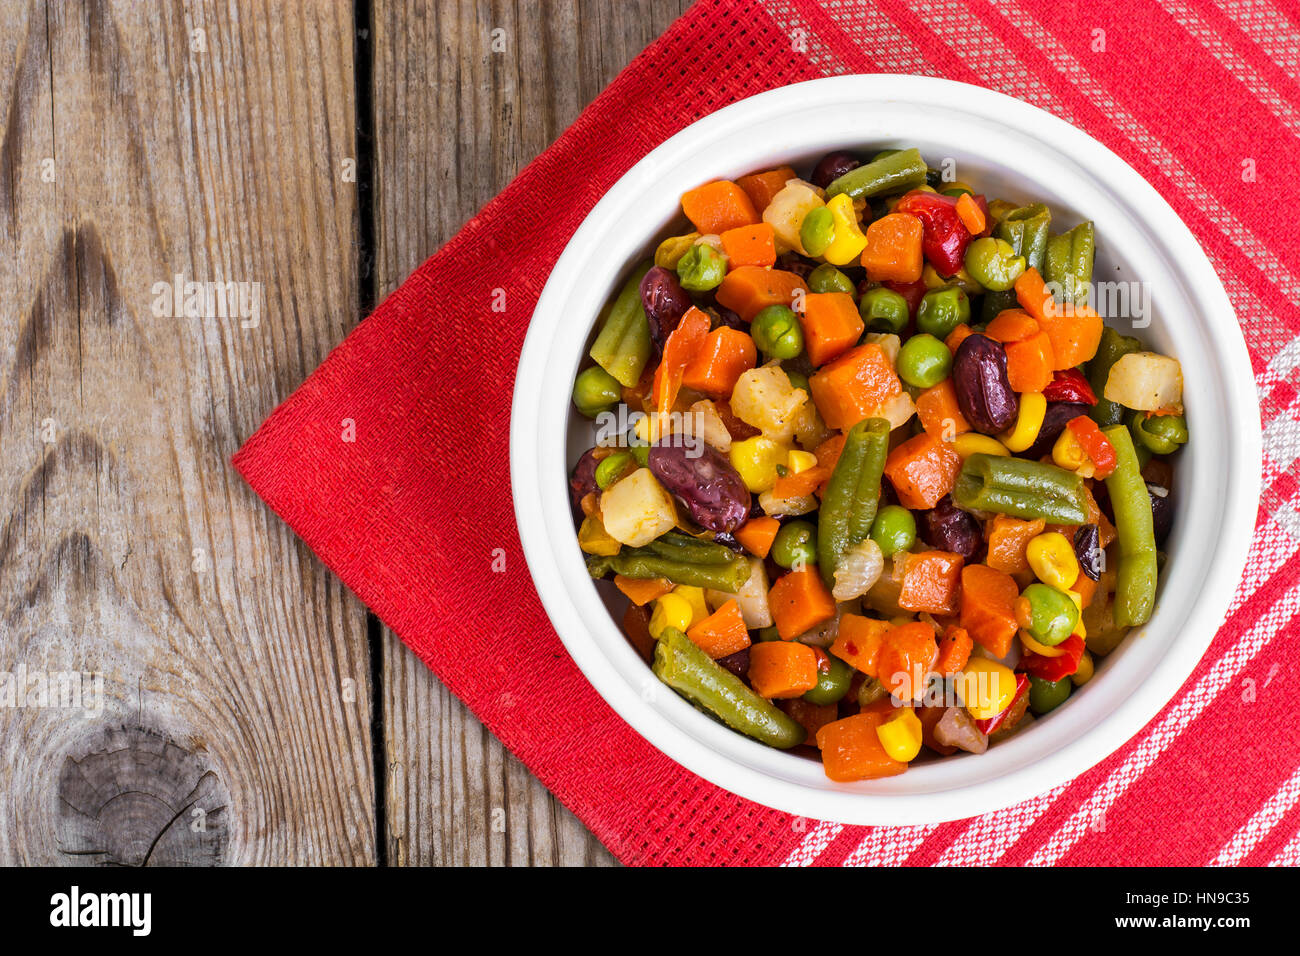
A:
872,473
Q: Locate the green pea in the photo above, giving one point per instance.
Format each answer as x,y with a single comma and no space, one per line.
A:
924,361
956,191
1045,695
702,268
817,231
798,380
942,310
894,530
777,332
826,278
993,263
795,544
883,310
832,682
767,634
1052,616
1161,435
613,467
596,391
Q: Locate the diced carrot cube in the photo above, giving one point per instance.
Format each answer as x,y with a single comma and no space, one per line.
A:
722,633
799,602
718,206
931,581
988,607
858,642
939,412
955,645
725,355
922,470
642,590
750,245
906,659
1029,363
757,534
748,290
1007,539
851,748
761,187
831,325
854,386
893,251
780,669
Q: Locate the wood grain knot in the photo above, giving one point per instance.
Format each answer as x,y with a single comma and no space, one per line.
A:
134,797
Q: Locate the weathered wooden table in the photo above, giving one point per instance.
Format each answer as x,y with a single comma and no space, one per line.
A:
181,680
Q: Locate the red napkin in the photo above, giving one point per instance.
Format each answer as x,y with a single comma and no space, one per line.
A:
391,460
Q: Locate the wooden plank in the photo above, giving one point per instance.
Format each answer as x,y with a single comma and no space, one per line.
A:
139,142
455,121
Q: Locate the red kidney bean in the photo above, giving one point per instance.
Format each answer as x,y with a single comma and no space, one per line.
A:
703,480
1162,510
737,663
664,301
984,394
583,480
1087,548
1054,422
946,527
832,166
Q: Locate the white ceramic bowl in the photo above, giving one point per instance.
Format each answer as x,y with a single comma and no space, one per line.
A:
1008,149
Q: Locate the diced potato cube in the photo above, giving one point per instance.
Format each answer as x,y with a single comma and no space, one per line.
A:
637,509
752,598
1145,381
764,398
798,505
708,425
786,212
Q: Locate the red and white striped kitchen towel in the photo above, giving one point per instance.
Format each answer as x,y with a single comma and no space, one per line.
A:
415,515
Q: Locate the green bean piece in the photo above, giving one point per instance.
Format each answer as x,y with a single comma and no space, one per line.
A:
1027,229
1112,348
1069,262
679,558
682,547
1135,578
685,668
852,494
893,173
1022,489
995,302
623,346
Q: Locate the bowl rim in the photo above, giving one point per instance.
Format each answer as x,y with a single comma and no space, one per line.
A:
692,740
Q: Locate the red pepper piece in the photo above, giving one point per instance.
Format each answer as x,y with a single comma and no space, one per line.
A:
944,237
1054,668
1069,385
1095,445
990,724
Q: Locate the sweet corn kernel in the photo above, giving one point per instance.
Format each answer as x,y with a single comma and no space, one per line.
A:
671,610
901,735
1029,421
1069,454
755,459
798,461
1052,558
849,240
986,688
1027,639
1077,598
973,443
594,539
695,598
1085,671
